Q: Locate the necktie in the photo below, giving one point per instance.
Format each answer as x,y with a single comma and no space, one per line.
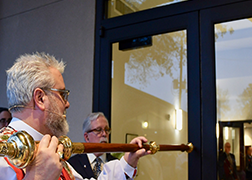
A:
230,160
97,167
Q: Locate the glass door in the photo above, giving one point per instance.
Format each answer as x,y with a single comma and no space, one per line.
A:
226,86
151,87
149,98
233,51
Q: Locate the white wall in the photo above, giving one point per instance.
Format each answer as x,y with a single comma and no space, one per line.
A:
61,28
248,136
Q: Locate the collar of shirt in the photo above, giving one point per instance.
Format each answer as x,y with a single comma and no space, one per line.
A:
92,157
19,125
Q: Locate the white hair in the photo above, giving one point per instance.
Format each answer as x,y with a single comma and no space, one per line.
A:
91,117
30,71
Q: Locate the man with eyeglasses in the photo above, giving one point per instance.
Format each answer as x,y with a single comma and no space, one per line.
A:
95,130
37,99
5,117
227,164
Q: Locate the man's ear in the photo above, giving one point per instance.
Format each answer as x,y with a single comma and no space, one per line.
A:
39,98
86,137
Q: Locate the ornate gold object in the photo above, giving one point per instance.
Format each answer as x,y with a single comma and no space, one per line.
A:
190,145
61,155
154,147
20,148
67,143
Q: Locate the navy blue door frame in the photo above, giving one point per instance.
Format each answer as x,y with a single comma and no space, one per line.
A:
198,18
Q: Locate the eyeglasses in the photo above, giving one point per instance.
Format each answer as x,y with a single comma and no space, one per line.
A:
99,131
64,93
5,121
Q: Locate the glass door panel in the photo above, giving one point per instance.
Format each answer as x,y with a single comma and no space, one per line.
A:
122,7
247,134
149,98
233,43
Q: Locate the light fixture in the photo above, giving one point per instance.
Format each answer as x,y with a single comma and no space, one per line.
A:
178,119
217,130
226,133
145,125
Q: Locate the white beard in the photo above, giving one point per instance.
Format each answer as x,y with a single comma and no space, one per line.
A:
55,122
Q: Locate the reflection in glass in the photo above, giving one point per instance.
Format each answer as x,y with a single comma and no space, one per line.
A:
122,7
233,138
149,85
227,159
233,43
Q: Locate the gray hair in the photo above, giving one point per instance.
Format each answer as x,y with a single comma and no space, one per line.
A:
91,117
30,71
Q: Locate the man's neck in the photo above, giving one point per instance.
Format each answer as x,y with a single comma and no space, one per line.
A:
98,154
33,118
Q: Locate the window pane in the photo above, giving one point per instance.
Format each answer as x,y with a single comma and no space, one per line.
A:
233,43
122,7
149,94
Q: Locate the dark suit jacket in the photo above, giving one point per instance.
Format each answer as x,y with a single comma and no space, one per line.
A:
223,166
81,164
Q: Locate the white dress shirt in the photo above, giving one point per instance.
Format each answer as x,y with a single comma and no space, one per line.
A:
92,157
113,170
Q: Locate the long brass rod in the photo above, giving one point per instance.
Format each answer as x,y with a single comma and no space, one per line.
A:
78,148
20,148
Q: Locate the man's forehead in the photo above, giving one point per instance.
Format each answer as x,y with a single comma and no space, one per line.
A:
5,114
58,78
99,121
227,145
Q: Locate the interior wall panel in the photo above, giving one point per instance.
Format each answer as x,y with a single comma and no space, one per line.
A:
64,29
